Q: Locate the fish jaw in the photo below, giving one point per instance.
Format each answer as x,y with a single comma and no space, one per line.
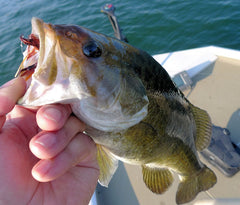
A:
38,94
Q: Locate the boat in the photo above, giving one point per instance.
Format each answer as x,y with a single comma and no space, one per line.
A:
209,78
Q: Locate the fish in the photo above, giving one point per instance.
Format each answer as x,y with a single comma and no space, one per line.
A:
131,107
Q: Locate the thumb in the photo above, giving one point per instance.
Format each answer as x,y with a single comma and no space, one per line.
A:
10,92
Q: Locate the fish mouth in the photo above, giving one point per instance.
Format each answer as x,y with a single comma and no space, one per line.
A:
30,59
44,67
34,50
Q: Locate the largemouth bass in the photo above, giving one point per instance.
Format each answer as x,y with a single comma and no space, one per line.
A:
132,109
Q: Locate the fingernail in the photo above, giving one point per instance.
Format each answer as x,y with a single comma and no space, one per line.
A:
46,140
53,114
41,169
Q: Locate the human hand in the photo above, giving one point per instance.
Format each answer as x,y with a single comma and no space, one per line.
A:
44,156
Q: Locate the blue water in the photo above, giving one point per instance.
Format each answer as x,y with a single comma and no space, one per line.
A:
156,26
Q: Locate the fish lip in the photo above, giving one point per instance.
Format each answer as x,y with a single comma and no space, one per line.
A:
47,43
38,30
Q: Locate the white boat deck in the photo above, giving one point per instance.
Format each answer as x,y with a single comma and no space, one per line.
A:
215,73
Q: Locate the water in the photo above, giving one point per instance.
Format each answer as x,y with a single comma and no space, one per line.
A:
156,26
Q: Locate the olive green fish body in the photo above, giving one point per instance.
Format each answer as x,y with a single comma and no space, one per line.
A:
131,107
166,137
159,143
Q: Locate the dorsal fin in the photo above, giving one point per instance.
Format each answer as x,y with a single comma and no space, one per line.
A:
107,164
157,179
203,128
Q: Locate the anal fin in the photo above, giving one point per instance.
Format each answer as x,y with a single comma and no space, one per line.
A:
203,128
107,164
158,180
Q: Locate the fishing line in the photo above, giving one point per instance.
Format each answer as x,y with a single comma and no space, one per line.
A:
23,47
210,195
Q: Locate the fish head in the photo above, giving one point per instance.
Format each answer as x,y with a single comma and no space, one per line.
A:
74,65
67,59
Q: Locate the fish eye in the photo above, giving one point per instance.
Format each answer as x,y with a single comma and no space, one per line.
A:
92,50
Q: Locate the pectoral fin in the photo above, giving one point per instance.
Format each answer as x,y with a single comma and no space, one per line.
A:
203,127
157,180
107,164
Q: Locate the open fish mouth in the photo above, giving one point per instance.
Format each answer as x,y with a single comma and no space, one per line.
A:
30,59
44,67
34,54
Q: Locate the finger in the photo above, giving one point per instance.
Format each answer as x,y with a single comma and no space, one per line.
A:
81,151
47,145
53,117
10,93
